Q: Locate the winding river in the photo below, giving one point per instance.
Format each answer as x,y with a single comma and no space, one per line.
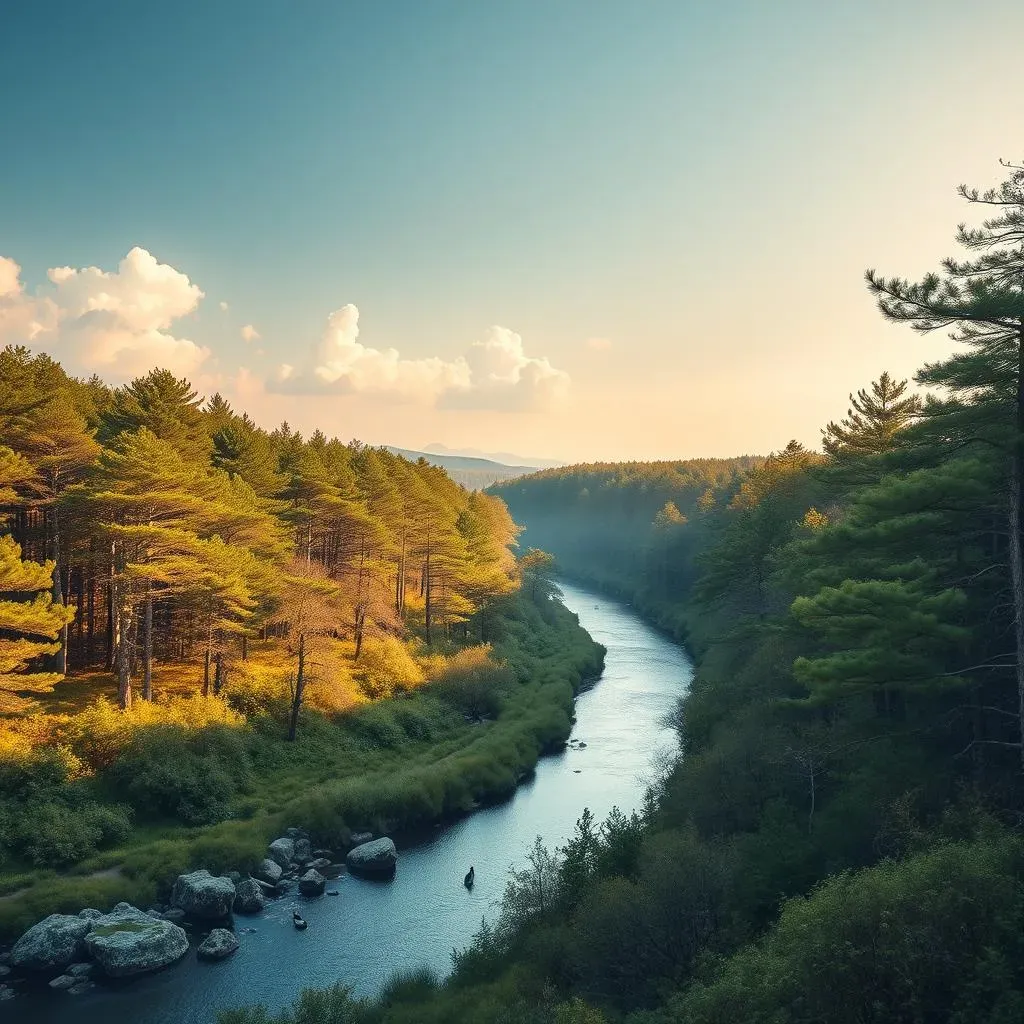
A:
373,928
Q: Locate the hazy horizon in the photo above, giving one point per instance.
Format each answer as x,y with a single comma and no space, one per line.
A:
575,231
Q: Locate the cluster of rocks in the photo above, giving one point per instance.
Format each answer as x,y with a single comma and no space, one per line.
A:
77,948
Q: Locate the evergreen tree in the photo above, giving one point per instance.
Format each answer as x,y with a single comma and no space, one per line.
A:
873,421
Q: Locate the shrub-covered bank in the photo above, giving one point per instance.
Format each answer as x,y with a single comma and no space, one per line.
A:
431,753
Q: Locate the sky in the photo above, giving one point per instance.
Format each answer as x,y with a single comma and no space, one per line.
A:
575,229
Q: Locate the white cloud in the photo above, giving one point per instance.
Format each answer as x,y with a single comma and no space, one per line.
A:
223,307
494,374
599,344
116,323
249,333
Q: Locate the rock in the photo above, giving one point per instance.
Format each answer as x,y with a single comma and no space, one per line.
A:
303,851
220,943
359,838
201,894
376,859
296,833
80,971
52,944
282,851
175,915
6,993
235,876
324,854
89,914
80,988
266,888
4,970
333,892
248,897
62,982
269,871
319,864
312,883
126,941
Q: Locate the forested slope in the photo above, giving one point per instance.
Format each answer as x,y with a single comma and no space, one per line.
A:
207,628
839,840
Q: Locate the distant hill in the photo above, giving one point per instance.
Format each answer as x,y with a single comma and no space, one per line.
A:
470,471
527,462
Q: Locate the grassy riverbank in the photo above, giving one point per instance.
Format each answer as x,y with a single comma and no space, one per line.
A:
465,736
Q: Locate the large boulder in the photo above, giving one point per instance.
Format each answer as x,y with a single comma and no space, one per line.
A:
312,883
269,871
128,941
220,943
248,897
358,838
376,859
52,944
201,894
303,851
282,851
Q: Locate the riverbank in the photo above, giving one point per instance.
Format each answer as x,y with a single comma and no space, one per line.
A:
396,766
425,911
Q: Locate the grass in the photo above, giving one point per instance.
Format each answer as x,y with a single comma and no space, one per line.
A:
396,765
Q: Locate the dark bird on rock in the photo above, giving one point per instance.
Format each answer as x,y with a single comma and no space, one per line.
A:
470,878
298,921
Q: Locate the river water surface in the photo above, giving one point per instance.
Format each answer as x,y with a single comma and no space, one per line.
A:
375,928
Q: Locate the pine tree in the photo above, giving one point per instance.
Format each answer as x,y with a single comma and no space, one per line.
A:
30,622
875,418
982,300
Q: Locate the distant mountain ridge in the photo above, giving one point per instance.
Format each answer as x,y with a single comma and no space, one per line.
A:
471,471
502,458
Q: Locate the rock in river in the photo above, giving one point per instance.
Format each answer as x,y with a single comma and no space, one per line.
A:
376,859
282,851
303,851
248,897
269,871
312,883
220,943
52,944
127,941
201,894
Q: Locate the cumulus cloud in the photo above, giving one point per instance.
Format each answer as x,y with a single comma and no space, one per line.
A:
116,323
495,373
223,307
249,333
599,344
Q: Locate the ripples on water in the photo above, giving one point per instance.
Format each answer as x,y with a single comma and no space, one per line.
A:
374,928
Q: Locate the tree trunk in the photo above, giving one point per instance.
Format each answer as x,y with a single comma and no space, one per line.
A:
300,683
91,606
111,613
147,647
122,634
1016,539
245,647
360,625
218,674
206,672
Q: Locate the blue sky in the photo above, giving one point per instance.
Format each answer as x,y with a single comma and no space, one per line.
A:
589,229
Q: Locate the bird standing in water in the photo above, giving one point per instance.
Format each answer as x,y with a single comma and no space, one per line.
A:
469,878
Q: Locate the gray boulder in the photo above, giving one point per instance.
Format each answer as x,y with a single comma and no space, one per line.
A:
127,941
376,859
312,883
359,838
220,943
52,944
303,851
89,914
282,851
175,915
80,971
81,987
62,982
6,992
248,897
201,894
266,888
319,864
269,871
4,970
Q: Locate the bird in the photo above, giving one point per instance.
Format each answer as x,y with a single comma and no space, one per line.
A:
469,878
298,921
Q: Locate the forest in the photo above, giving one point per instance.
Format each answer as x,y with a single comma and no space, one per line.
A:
839,839
209,630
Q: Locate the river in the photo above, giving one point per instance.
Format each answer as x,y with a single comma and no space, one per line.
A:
375,928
